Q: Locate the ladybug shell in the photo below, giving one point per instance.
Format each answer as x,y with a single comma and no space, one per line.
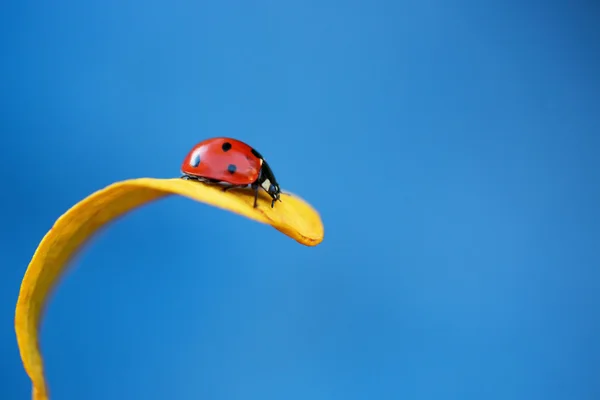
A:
223,159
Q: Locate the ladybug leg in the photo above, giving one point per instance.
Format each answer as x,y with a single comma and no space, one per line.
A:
255,187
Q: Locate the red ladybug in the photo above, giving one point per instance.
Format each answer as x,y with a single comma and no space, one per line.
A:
233,162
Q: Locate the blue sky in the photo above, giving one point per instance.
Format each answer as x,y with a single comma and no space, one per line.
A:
450,146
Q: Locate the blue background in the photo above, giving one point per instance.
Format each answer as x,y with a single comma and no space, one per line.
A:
450,146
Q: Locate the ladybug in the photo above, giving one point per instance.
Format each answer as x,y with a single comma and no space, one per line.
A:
233,162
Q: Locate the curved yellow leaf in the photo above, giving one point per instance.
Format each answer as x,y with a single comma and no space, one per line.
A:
292,216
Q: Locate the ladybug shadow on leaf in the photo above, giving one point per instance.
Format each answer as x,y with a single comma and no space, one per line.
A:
251,192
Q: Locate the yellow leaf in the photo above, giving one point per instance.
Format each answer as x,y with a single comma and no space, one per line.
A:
292,216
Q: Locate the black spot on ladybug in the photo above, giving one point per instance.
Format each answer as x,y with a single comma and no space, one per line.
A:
256,154
231,168
226,146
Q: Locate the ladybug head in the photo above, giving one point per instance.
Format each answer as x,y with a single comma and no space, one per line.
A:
275,192
269,183
272,188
